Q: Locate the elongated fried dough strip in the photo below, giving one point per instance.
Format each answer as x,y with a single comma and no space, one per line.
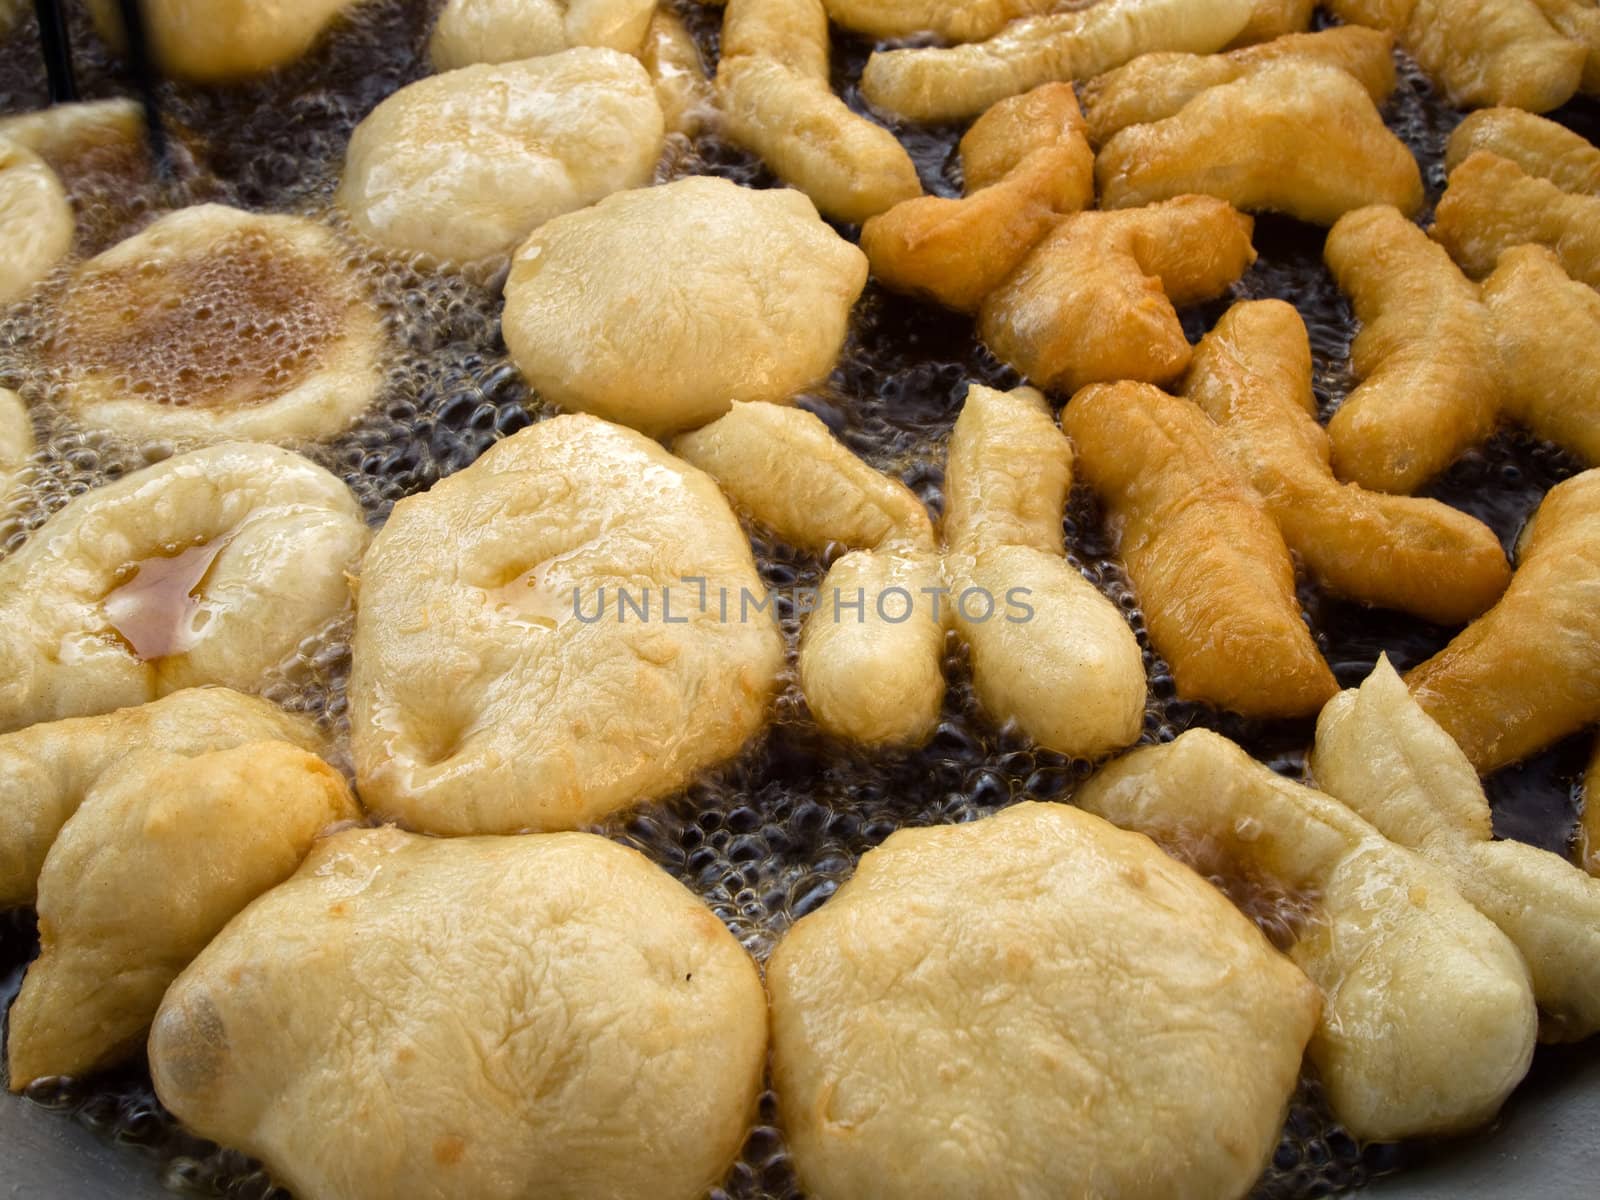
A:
1536,144
1490,204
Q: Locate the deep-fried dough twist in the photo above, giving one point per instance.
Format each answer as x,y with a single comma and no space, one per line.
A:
1490,205
1536,144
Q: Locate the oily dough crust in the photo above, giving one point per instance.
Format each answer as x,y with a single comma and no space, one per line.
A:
1490,205
36,222
499,1018
223,40
16,439
210,567
459,168
498,31
213,324
659,308
481,702
1538,145
1035,1004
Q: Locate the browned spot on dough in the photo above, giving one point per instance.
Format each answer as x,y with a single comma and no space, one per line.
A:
447,1150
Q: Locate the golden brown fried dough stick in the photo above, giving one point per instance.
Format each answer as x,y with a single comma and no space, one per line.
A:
1527,672
1547,330
949,20
948,84
1578,20
1424,355
1490,204
1211,571
1273,19
1094,300
1252,376
1155,86
1026,161
1295,137
1487,52
791,32
1536,144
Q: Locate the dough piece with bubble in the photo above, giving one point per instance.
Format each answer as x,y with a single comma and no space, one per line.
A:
1527,672
1538,145
16,440
1094,300
214,323
1252,375
660,308
596,1029
1212,573
500,31
972,1013
37,227
1383,933
163,852
513,664
1377,751
234,40
211,567
460,168
688,101
1491,205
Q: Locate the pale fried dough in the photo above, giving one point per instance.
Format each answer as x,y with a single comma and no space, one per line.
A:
684,91
16,439
36,221
497,31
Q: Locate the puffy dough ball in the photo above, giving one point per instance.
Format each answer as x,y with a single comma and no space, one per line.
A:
16,438
498,1018
461,167
215,323
36,223
659,308
497,31
555,633
210,567
164,851
223,39
1037,1004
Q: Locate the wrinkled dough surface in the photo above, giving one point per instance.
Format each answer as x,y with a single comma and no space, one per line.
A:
210,567
660,308
1538,145
949,20
214,323
1212,573
498,31
36,222
481,702
1487,52
974,1014
164,851
688,101
511,1017
1274,19
461,167
1294,136
223,40
1578,20
1428,1019
1490,205
16,439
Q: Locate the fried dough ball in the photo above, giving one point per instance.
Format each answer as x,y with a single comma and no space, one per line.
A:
1094,300
1048,650
1294,136
459,168
1155,86
1252,376
1490,205
46,770
489,1017
163,852
1032,1004
1494,52
951,83
1025,162
1527,672
213,324
225,40
499,31
1428,1018
210,567
1274,19
1425,355
1212,573
1547,330
16,439
662,307
1536,144
499,683
1378,752
36,222
1578,20
683,89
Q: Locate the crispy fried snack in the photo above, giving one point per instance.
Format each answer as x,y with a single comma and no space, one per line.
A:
1025,161
1273,19
1155,86
683,89
1425,355
948,84
1527,672
38,225
164,851
1494,52
1212,573
1547,330
772,83
1490,204
16,439
1070,674
1392,945
1094,300
949,20
1536,144
497,31
1578,20
1292,136
1382,755
1252,376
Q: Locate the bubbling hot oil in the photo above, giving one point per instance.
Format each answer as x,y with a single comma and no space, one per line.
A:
770,836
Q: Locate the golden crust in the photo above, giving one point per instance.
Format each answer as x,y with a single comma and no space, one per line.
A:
1536,144
1490,205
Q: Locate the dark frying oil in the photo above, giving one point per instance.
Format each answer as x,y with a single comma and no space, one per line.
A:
769,837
